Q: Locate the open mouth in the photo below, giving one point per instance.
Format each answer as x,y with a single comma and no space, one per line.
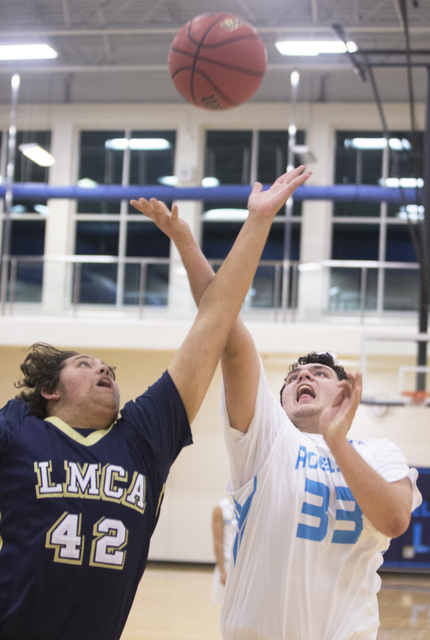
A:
104,382
305,390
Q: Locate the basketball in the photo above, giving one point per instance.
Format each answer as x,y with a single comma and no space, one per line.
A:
217,61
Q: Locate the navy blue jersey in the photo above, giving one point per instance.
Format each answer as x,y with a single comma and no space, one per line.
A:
77,515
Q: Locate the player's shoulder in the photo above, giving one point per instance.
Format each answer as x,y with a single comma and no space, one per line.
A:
14,409
11,418
373,444
160,403
377,451
162,389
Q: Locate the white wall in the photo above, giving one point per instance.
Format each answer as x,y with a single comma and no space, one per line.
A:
199,475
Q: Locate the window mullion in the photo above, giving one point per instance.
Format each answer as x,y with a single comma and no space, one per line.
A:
383,234
122,240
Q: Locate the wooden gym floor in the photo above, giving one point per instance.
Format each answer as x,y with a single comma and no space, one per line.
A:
173,603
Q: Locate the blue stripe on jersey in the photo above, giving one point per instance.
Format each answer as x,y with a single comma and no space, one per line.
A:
242,512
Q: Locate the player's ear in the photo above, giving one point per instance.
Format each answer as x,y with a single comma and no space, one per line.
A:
50,395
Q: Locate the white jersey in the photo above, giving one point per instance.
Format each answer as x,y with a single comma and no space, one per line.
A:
305,557
229,532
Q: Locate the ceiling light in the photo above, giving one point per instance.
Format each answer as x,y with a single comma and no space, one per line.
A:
313,47
140,144
26,52
35,152
294,78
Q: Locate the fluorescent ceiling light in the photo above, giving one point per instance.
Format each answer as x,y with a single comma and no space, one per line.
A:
294,78
35,152
170,181
313,47
226,215
26,52
377,143
140,144
210,182
406,183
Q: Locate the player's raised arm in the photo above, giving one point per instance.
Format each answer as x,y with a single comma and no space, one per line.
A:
241,366
194,364
386,504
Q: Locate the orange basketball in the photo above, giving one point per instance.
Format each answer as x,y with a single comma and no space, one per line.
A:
217,61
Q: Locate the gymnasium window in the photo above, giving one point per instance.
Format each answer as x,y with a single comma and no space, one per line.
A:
374,231
242,157
117,229
27,217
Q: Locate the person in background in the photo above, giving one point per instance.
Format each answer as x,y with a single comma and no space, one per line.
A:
223,533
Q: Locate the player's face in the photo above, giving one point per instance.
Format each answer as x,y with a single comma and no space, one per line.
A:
87,387
309,389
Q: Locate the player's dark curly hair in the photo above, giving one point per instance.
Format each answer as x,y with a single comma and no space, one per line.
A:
41,369
318,358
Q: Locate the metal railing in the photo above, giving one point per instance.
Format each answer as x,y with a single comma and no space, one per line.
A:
280,292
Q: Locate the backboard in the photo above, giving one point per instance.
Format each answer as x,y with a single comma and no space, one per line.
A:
391,375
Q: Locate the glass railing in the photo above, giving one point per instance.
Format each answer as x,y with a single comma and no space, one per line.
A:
100,282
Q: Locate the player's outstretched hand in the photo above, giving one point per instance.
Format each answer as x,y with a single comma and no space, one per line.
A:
337,418
167,221
267,203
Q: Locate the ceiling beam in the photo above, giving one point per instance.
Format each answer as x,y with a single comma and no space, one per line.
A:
399,14
249,14
66,12
314,6
10,33
163,68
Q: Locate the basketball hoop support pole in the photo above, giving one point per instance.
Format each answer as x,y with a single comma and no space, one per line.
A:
294,82
5,239
425,248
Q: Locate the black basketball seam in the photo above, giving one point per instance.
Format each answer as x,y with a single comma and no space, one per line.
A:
195,42
229,100
224,65
199,45
202,73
